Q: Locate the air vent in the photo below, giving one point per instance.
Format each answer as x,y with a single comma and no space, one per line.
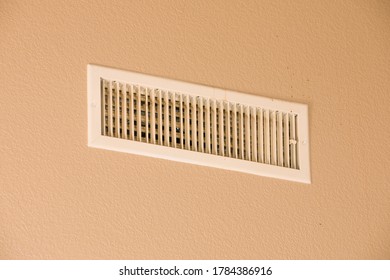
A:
141,114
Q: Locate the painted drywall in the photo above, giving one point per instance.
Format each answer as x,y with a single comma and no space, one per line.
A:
61,199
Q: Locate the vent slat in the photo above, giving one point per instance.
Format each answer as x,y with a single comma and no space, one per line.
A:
124,111
247,134
273,138
235,132
207,126
181,123
292,141
138,109
286,130
146,115
228,140
199,124
103,108
166,119
117,112
173,119
260,140
279,133
110,126
267,147
187,121
296,141
152,117
159,117
214,125
193,124
254,134
221,129
241,134
131,112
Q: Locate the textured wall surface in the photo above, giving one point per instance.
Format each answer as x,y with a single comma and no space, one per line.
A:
61,199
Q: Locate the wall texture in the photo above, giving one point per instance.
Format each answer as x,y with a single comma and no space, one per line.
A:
60,199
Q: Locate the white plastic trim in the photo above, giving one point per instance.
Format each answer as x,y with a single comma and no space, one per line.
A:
97,140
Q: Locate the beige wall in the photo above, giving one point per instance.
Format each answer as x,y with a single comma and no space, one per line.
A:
61,199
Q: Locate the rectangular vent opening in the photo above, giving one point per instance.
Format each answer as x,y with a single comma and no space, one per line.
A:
175,120
195,123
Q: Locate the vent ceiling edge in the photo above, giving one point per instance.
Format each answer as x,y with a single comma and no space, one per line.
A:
157,117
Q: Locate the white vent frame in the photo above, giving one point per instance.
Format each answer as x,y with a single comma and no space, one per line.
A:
97,140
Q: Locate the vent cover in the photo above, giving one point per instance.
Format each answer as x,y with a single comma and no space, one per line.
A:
141,114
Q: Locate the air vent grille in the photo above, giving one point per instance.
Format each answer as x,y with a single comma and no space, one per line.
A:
205,125
168,119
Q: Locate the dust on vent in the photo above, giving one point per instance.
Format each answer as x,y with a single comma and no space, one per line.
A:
152,116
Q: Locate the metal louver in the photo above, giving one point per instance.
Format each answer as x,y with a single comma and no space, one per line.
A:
152,116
